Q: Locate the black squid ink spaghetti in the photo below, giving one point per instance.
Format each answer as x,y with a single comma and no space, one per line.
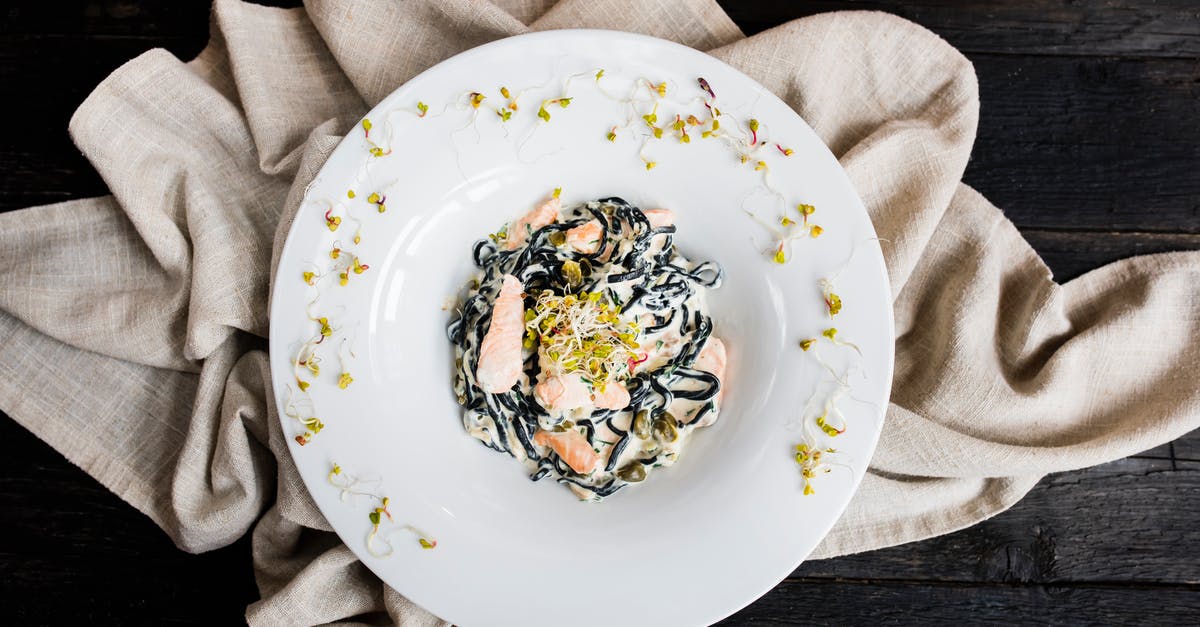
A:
583,346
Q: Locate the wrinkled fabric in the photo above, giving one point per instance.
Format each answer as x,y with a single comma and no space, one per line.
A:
133,325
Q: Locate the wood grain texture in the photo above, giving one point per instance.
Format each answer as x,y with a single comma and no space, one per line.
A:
1157,29
72,551
1089,526
1089,139
1071,253
1090,115
1090,144
866,602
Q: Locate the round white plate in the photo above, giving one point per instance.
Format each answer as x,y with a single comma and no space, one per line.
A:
697,541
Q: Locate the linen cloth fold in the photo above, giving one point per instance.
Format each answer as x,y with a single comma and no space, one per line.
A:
132,326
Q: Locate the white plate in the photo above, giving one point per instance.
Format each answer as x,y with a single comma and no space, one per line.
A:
694,543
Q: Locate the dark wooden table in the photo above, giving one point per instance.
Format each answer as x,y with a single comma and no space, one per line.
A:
1089,139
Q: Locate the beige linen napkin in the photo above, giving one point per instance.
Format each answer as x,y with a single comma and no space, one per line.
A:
132,326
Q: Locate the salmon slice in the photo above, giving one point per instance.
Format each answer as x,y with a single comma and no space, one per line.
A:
520,230
614,396
712,360
585,238
560,394
500,360
660,217
572,447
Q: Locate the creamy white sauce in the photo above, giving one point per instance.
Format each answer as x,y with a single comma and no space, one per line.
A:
660,349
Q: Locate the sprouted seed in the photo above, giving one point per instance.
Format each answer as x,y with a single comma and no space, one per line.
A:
377,541
312,425
833,302
831,334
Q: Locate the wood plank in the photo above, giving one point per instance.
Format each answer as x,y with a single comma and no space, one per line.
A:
805,602
72,550
1070,254
1039,155
1187,448
39,164
1090,144
142,18
1070,139
1131,521
1132,28
1061,142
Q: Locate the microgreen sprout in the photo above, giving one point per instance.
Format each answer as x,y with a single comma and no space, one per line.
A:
831,334
351,266
706,87
312,425
380,513
833,302
306,362
477,99
787,152
651,118
582,334
650,163
789,233
350,194
423,108
680,126
562,101
375,149
753,132
378,200
830,430
600,86
344,379
810,460
332,221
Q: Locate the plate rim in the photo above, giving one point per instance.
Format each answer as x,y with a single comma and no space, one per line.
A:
466,55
